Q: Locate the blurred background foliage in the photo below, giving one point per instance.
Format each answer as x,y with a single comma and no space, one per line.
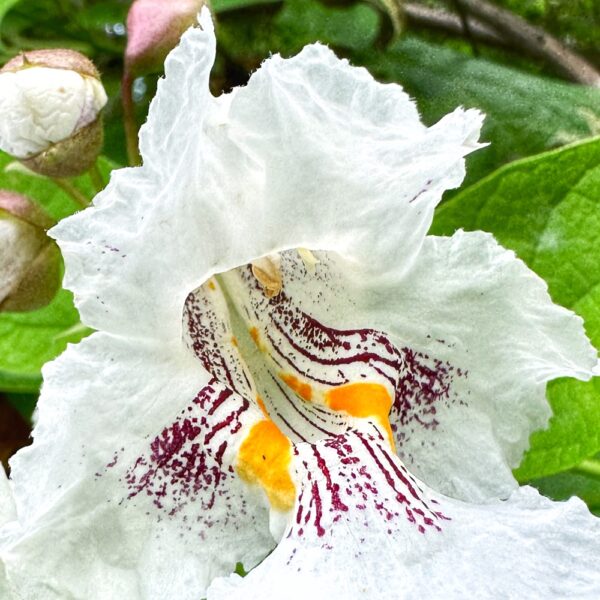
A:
531,108
439,69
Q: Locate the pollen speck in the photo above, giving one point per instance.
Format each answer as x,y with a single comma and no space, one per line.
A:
309,260
267,272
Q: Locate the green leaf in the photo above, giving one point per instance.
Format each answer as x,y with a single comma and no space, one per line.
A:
5,6
24,403
546,209
525,114
44,191
286,31
220,6
565,485
28,340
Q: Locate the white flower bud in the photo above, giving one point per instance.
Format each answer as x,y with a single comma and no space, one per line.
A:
46,98
29,259
45,106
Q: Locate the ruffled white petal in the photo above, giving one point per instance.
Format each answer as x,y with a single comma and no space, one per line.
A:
471,303
122,495
365,529
5,591
7,516
311,153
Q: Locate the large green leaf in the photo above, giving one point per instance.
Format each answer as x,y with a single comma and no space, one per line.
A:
28,340
287,30
220,6
547,209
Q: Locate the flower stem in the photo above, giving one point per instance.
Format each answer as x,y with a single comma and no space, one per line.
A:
96,177
70,189
590,467
129,122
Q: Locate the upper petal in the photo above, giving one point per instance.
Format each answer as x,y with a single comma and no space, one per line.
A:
311,153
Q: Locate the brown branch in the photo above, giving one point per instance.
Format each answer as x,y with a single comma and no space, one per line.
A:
129,120
534,41
464,19
434,18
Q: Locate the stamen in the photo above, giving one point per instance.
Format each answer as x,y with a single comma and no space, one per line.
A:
309,259
268,273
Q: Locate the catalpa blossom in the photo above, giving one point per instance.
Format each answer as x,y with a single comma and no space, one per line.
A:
288,372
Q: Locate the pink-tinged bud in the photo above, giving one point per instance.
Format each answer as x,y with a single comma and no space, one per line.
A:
153,30
29,260
50,111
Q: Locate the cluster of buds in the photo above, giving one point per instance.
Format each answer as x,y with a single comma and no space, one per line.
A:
50,120
51,102
30,270
51,105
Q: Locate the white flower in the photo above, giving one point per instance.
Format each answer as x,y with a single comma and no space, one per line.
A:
44,105
234,401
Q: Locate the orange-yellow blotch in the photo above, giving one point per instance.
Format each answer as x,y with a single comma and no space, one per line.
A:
211,285
364,400
265,457
234,341
302,389
262,406
255,335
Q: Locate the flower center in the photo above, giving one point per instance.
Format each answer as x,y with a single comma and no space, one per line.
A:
250,334
253,331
